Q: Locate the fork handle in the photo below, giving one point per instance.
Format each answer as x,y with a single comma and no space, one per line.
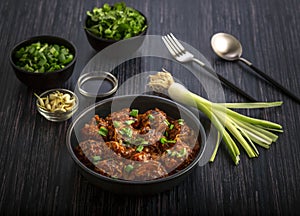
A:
228,83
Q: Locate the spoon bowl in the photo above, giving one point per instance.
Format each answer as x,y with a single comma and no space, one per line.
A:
226,46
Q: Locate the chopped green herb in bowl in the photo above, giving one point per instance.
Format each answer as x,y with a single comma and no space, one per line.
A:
111,23
43,57
43,62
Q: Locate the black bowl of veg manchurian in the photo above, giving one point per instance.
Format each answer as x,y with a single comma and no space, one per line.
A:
136,144
43,62
109,24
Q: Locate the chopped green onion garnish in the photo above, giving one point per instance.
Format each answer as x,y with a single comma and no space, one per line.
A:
129,168
43,57
127,131
129,122
103,131
174,153
182,152
139,141
143,142
164,140
139,148
171,126
169,151
180,121
166,122
116,124
134,112
96,158
150,117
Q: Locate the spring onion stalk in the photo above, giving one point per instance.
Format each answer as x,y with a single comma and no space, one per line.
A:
231,125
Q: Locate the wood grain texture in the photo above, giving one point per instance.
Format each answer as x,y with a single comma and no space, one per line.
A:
37,176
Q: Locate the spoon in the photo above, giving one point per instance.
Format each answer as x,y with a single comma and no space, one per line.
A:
229,48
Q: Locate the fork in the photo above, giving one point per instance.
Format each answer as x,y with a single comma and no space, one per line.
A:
182,55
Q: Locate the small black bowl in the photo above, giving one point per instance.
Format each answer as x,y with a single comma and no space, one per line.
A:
142,103
44,80
99,43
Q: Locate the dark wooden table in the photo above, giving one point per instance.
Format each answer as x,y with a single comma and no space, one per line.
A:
38,176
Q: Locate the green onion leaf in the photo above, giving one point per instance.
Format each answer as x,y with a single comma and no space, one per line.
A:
139,148
134,113
96,158
116,124
126,131
129,122
169,152
171,141
40,58
231,125
180,121
150,117
166,122
103,131
182,152
163,140
129,168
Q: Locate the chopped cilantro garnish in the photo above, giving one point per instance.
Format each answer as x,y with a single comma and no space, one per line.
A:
115,22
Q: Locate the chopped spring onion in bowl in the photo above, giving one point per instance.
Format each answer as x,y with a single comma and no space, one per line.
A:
43,57
247,131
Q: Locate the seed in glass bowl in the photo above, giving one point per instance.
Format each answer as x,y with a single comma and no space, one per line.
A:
56,101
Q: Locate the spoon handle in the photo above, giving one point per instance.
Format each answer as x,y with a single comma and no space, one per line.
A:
230,84
276,84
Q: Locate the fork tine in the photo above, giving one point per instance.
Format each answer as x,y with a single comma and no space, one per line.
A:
177,42
173,44
168,46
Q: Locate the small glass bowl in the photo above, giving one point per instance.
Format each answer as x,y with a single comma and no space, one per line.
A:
97,84
58,116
